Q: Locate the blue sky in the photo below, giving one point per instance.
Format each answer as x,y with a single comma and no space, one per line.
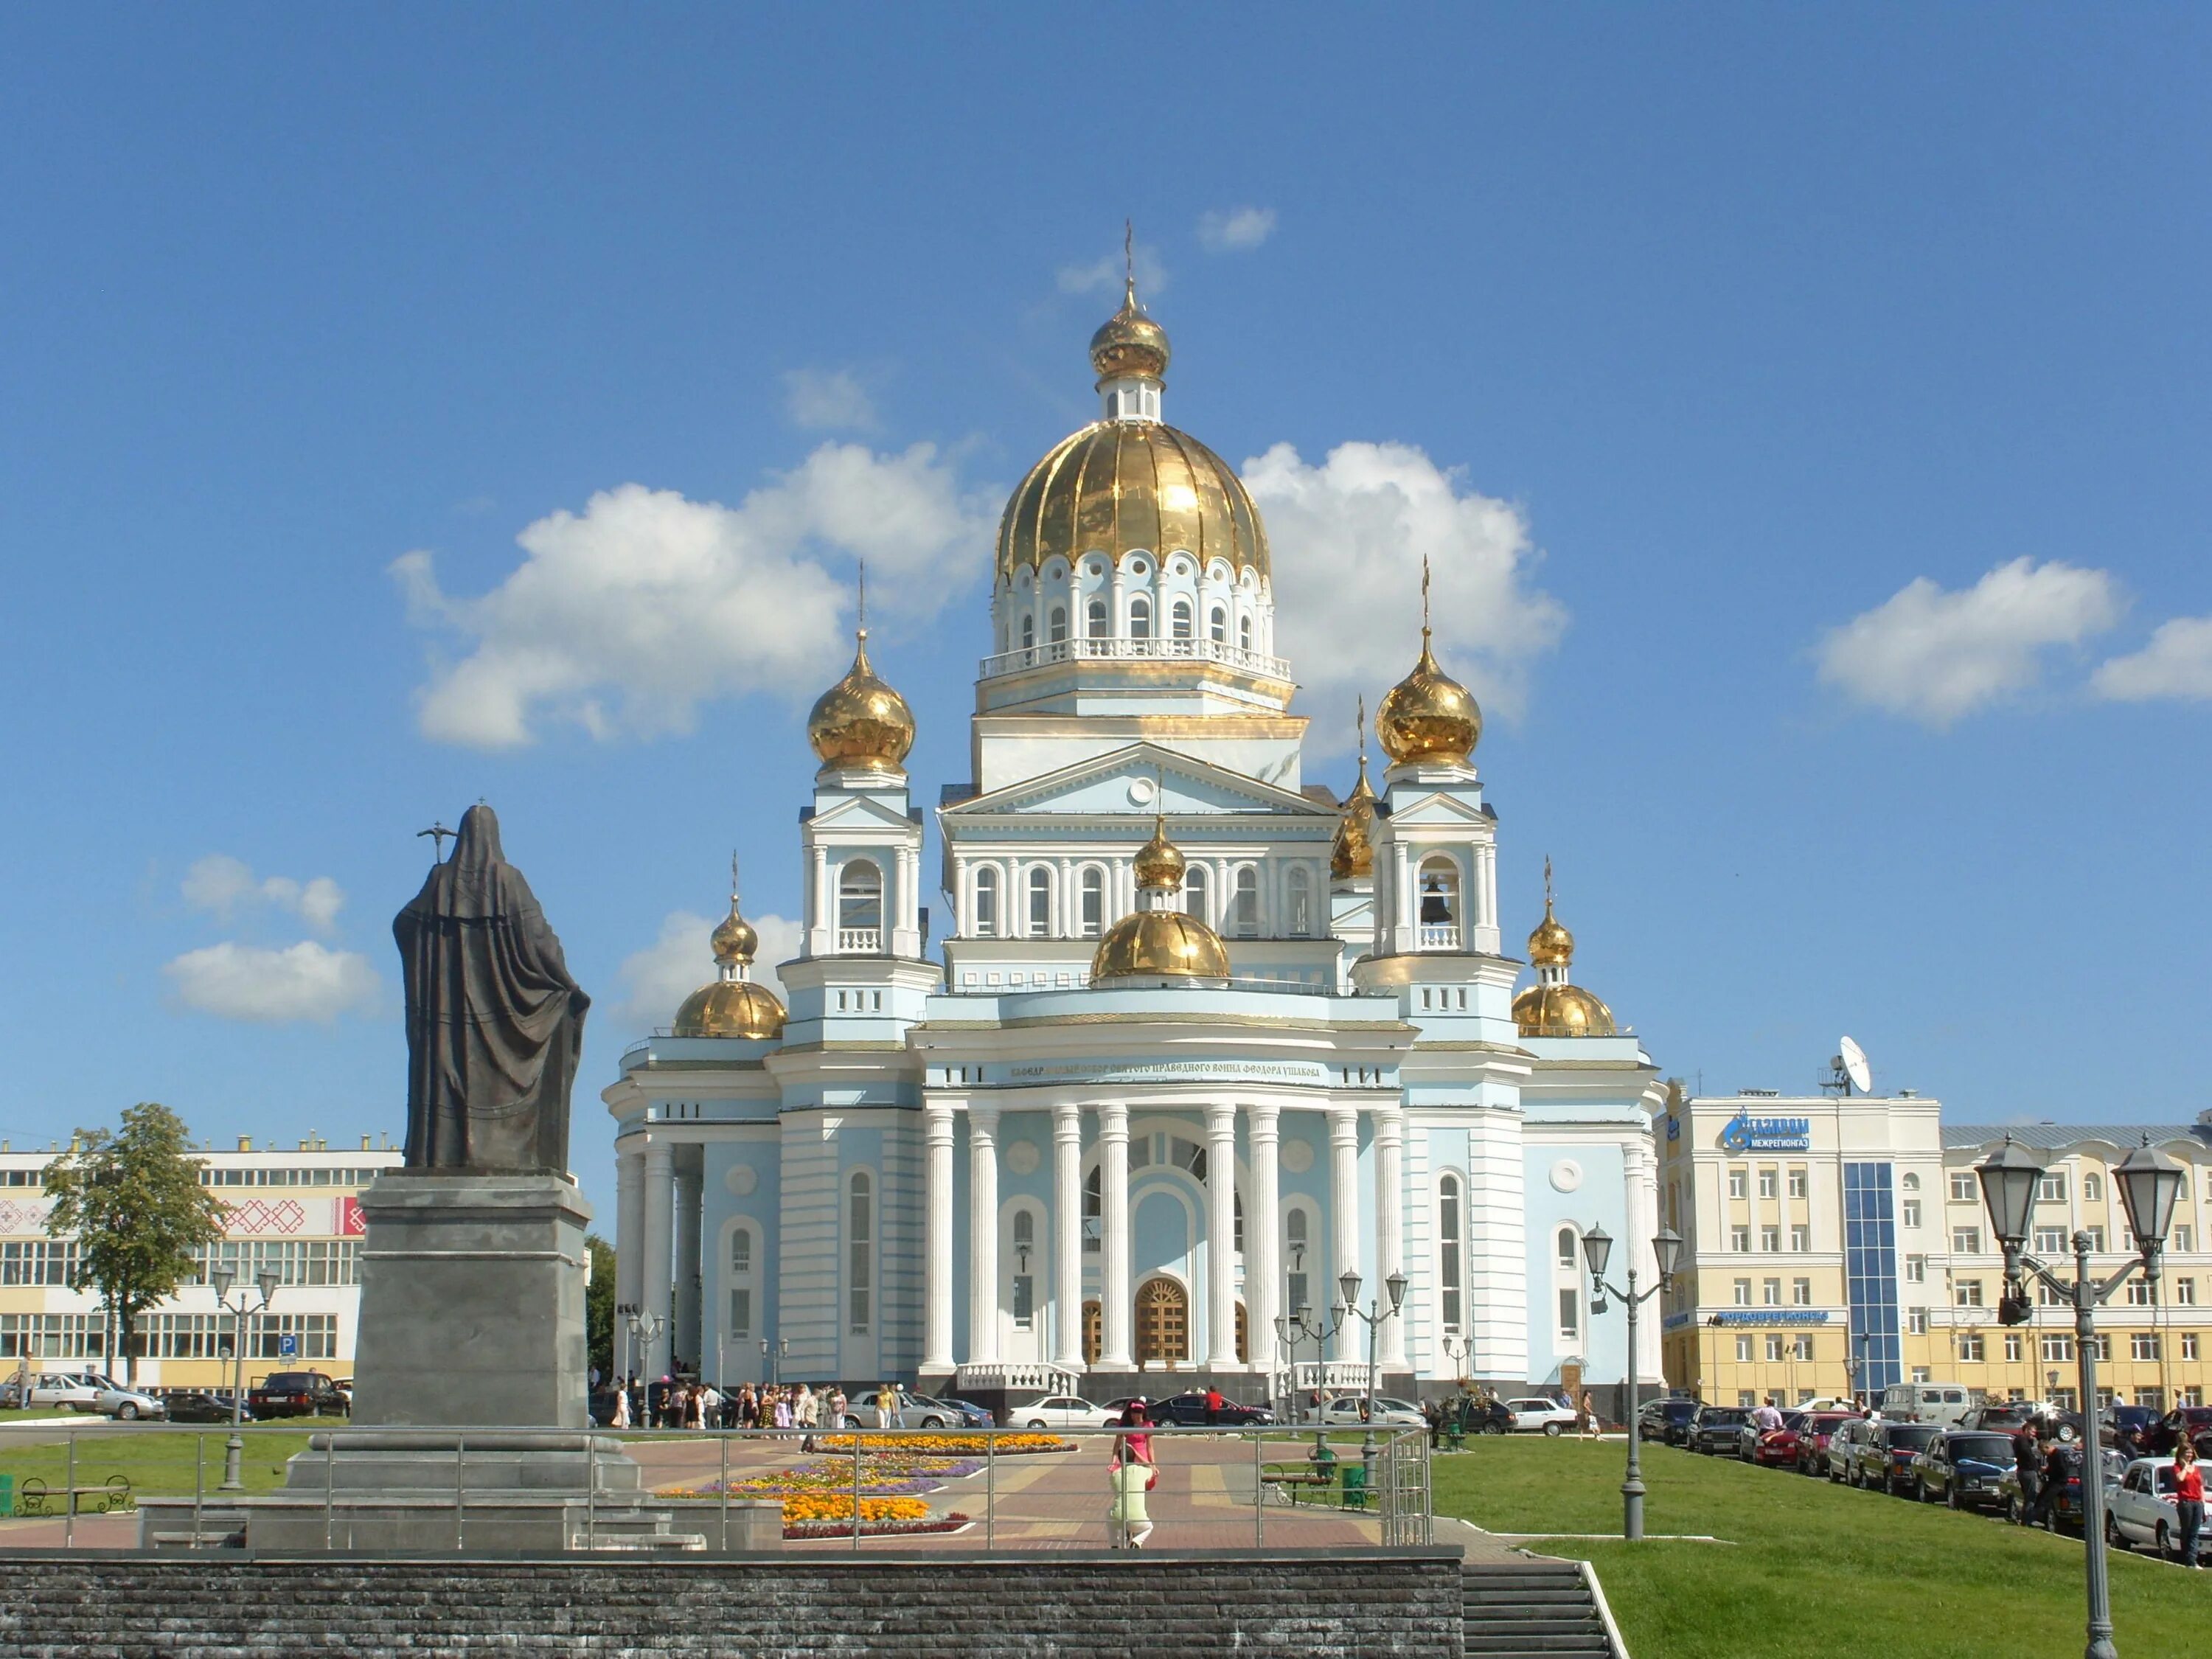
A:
1735,349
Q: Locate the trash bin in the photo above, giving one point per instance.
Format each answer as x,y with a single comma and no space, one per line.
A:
1354,1476
7,1494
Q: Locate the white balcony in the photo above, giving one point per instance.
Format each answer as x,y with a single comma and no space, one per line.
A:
1124,648
1439,936
860,941
1048,1379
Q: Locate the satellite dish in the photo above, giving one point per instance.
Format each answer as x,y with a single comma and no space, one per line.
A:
1855,1066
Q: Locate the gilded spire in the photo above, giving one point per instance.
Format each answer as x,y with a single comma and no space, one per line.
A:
860,723
1129,344
1352,853
1550,945
1429,715
734,941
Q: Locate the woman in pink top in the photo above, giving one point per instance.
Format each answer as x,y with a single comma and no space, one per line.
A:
1133,1448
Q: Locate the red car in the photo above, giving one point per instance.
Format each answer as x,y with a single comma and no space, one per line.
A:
1777,1449
1813,1440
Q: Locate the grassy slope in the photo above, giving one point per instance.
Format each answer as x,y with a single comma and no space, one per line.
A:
156,1463
1815,1571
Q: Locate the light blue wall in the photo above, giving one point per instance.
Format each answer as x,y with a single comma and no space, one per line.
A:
1600,1200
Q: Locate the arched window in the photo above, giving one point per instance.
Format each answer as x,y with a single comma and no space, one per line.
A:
1567,1278
1236,1224
986,901
1196,896
1140,618
1244,904
1244,632
1180,619
1029,633
1094,1210
860,1251
860,907
1056,625
1297,901
1297,1280
1217,625
1024,1280
1451,1261
1094,903
1040,902
741,1283
1094,619
1439,898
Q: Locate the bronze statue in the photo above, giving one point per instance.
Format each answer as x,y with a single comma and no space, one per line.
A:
494,1024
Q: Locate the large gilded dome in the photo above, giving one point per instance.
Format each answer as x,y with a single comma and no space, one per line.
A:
1429,715
1155,941
860,723
1561,1009
733,1004
1119,485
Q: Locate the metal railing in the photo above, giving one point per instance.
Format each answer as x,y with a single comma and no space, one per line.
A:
703,1489
1125,648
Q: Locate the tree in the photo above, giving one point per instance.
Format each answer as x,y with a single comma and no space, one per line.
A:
599,1306
133,1198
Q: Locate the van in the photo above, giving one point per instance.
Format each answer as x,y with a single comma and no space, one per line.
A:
1928,1402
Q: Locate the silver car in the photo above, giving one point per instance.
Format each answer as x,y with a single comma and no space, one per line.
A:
1393,1413
128,1405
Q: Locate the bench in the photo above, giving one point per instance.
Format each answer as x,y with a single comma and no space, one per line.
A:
109,1496
1287,1479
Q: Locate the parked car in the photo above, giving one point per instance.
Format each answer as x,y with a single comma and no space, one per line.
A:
1667,1421
1945,1403
1184,1410
1718,1430
204,1406
2004,1418
963,1413
1844,1441
1813,1437
1963,1467
2131,1427
1062,1411
2193,1422
78,1390
1344,1411
298,1393
1536,1415
1777,1449
1882,1461
2064,1502
2142,1509
128,1405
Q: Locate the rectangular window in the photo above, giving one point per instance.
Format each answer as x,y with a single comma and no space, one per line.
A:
2058,1349
1743,1293
1910,1212
1915,1270
1774,1347
1770,1240
2096,1239
1025,1300
1804,1347
1738,1182
315,1336
741,1313
37,1262
1743,1349
1571,1307
2046,1297
2142,1345
2051,1189
1966,1240
1801,1239
2189,1344
1801,1293
2142,1293
2185,1292
2012,1347
1970,1347
1769,1185
1916,1322
1966,1292
741,1250
2185,1238
2101,1347
1798,1186
862,1260
1770,1293
2050,1241
1962,1187
1740,1240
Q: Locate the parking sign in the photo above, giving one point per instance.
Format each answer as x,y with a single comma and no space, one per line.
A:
288,1346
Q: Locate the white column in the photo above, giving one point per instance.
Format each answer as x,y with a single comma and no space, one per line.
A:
1389,1229
1344,1216
822,941
1221,1238
1114,1312
982,1235
1067,1236
659,1222
630,1240
937,1246
1640,1203
1263,1229
685,1330
1405,902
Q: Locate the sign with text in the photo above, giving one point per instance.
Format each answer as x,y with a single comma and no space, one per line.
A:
1772,1317
1745,1133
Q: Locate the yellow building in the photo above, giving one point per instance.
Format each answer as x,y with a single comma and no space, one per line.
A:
293,1210
1835,1244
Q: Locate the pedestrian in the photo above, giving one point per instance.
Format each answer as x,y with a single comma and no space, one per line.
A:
1215,1402
2055,1473
1132,1521
622,1409
2027,1469
1434,1411
1586,1416
805,1407
2188,1499
838,1404
886,1406
1137,1446
782,1409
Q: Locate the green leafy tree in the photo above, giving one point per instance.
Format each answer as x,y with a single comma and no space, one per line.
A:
134,1200
599,1306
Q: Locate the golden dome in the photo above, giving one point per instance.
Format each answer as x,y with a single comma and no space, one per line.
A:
860,723
1159,944
734,940
1160,862
1129,343
1120,485
1352,853
1429,715
1561,1009
1550,945
731,1008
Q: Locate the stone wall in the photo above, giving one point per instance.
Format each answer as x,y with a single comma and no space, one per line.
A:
1315,1605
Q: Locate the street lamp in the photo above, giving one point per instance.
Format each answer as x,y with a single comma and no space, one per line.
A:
1597,1249
773,1358
1459,1351
1373,1315
2149,1183
221,1279
645,1329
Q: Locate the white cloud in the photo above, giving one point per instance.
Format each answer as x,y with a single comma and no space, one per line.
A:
1237,231
656,980
1348,536
1104,275
302,982
828,400
2176,664
221,885
626,617
1933,656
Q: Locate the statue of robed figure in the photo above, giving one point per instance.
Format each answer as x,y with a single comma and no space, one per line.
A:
494,1024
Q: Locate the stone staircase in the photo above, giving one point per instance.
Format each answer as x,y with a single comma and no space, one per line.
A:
1534,1609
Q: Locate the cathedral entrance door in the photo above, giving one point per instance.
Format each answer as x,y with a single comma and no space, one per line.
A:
1162,1323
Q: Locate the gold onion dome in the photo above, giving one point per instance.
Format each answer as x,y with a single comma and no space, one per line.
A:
1129,343
1352,853
1429,715
1561,1009
733,1006
860,723
1550,945
1159,942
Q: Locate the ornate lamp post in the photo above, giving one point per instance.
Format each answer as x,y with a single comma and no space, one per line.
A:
645,1329
2149,1183
222,1278
1373,1314
1459,1350
1597,1247
773,1358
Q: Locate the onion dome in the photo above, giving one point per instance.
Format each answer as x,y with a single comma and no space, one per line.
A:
1129,343
1429,715
1352,853
860,723
1156,940
733,1005
1554,1006
1550,945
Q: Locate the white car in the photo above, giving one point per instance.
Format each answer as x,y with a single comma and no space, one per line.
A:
1392,1413
1062,1411
2141,1508
1540,1416
128,1405
79,1391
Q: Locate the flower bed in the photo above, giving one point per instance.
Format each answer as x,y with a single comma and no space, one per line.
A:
872,1529
946,1445
880,1477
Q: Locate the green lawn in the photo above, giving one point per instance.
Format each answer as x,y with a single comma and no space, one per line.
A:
156,1463
1814,1571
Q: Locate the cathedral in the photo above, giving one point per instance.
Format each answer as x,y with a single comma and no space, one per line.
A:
1202,1047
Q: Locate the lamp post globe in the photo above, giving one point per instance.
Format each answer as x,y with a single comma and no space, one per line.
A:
2150,1185
2008,1178
1598,1248
1668,1249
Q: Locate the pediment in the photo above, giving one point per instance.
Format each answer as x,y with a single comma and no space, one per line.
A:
860,812
1438,812
1100,787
